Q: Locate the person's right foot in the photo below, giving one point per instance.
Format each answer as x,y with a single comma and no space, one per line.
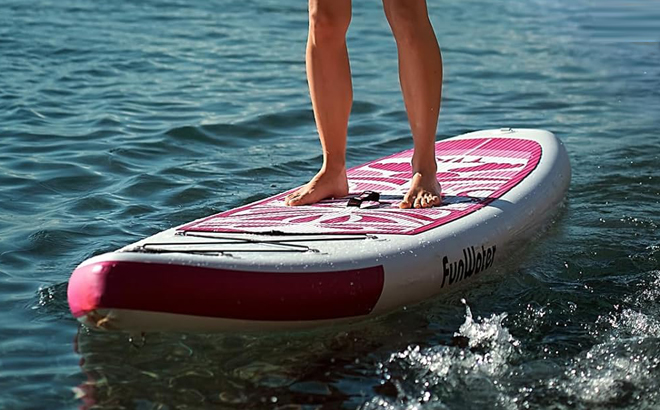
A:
424,192
324,185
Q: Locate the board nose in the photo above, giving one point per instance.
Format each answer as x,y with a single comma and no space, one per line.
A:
86,287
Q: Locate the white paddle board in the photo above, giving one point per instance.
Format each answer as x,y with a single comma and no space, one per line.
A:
266,266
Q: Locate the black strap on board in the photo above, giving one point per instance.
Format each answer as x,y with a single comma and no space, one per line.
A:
366,196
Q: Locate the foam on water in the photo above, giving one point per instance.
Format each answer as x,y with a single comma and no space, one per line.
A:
426,377
621,369
489,365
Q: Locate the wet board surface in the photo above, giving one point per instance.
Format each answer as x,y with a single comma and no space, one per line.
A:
473,173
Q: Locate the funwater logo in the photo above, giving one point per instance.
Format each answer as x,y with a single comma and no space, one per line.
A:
473,262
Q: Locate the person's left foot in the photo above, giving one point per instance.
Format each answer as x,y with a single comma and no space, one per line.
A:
424,192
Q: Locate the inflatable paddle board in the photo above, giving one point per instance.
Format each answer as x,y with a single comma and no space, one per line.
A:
266,266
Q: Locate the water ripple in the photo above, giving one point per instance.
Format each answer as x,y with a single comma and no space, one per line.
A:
120,119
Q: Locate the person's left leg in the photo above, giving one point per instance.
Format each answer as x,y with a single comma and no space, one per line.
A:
420,74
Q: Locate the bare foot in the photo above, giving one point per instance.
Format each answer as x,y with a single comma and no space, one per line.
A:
324,185
424,192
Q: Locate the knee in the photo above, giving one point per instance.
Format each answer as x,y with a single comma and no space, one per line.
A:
328,22
407,18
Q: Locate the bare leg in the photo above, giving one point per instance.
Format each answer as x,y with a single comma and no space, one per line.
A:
420,74
331,90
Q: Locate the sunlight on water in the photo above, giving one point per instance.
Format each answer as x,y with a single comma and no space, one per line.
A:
618,371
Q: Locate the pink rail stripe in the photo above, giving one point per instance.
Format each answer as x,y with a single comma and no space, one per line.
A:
474,171
223,293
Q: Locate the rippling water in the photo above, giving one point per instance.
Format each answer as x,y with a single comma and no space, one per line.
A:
120,119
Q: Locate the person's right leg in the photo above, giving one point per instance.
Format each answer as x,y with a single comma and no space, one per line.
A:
331,90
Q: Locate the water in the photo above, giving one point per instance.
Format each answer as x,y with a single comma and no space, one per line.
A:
120,119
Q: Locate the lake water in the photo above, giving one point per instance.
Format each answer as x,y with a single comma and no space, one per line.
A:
120,119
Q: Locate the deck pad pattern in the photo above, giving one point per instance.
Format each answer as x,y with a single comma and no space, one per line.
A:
473,173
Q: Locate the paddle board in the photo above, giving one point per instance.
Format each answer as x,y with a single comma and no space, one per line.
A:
266,266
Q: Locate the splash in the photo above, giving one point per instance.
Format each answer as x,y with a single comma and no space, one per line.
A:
435,376
621,370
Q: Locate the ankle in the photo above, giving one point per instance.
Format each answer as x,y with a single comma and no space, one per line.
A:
333,168
425,165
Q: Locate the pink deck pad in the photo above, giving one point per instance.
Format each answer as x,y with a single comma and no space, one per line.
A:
472,172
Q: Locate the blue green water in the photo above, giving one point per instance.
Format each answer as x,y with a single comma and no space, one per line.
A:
120,119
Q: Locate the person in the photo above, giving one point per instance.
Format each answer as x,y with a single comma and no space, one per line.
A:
330,87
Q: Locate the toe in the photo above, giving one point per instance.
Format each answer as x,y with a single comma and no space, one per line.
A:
406,203
292,199
430,200
300,199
